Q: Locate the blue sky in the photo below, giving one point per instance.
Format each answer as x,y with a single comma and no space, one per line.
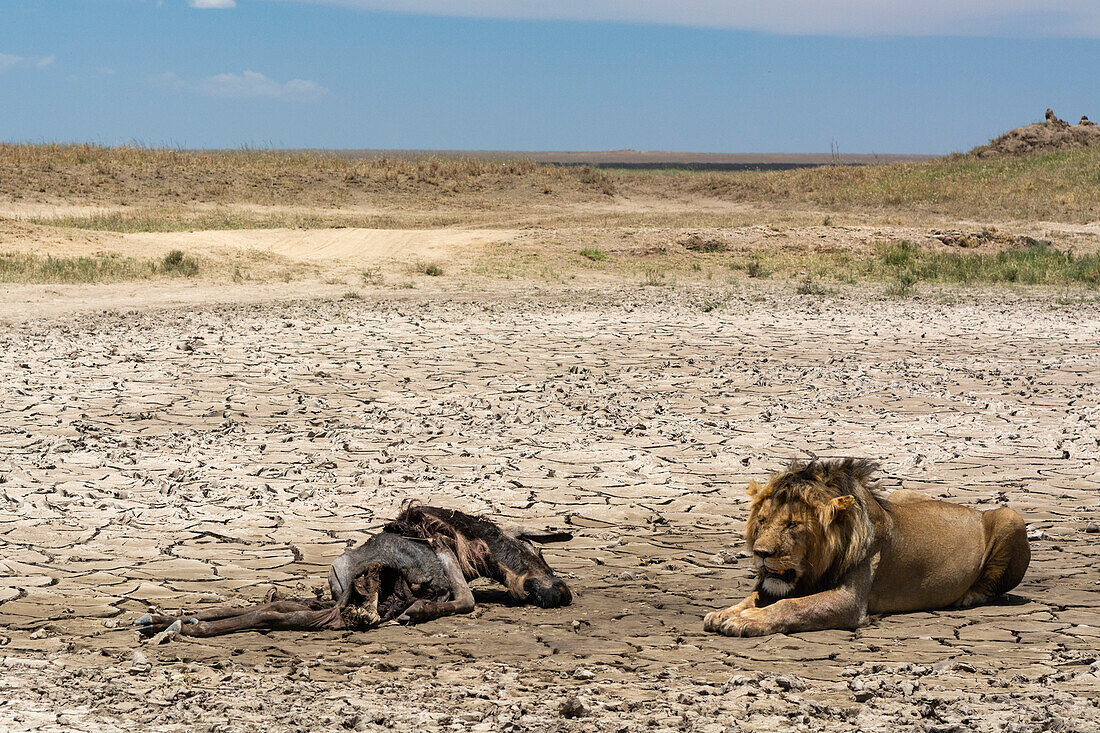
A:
695,75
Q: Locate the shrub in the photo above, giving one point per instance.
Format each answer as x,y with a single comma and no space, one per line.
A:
178,263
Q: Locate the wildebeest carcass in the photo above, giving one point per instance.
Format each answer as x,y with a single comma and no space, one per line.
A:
416,569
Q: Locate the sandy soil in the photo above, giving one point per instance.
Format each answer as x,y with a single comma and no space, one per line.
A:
200,454
614,224
325,245
349,246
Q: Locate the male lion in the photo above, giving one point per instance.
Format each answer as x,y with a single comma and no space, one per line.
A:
828,551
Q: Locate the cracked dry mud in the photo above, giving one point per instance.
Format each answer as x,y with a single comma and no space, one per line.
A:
190,457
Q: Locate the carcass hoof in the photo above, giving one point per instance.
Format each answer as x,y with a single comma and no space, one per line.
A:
168,634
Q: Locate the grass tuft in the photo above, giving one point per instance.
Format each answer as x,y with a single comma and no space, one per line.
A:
596,255
902,286
656,276
708,305
178,263
755,267
809,286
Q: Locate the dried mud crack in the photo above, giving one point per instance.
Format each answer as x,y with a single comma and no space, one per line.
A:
136,473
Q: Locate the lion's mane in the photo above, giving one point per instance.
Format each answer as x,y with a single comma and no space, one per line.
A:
843,539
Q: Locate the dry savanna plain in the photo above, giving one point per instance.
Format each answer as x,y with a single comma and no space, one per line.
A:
219,370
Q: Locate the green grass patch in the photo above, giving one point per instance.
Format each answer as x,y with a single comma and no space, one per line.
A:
903,265
1034,264
595,255
32,268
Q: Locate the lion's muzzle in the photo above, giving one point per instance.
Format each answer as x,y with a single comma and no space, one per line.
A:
786,576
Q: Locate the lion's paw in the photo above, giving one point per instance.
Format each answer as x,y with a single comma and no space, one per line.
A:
747,622
739,626
714,620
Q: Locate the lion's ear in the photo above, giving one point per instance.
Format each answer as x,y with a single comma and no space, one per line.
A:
753,488
836,506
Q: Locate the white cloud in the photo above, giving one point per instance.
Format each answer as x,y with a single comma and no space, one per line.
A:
1013,18
246,85
11,61
213,4
255,84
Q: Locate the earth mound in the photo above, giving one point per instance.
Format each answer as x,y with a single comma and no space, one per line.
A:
1049,135
699,242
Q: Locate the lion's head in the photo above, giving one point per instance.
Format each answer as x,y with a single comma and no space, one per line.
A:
810,524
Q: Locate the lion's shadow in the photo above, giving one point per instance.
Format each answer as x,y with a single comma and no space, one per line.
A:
1008,599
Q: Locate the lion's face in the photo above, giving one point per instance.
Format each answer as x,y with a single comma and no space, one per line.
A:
780,537
789,540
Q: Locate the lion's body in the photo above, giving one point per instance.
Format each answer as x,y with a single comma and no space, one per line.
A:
829,551
937,552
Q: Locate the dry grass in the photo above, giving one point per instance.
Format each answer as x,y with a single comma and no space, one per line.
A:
1060,186
164,187
431,269
130,175
603,222
172,219
488,214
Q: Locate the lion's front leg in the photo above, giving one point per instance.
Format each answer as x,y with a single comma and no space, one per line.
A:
832,609
714,620
755,621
